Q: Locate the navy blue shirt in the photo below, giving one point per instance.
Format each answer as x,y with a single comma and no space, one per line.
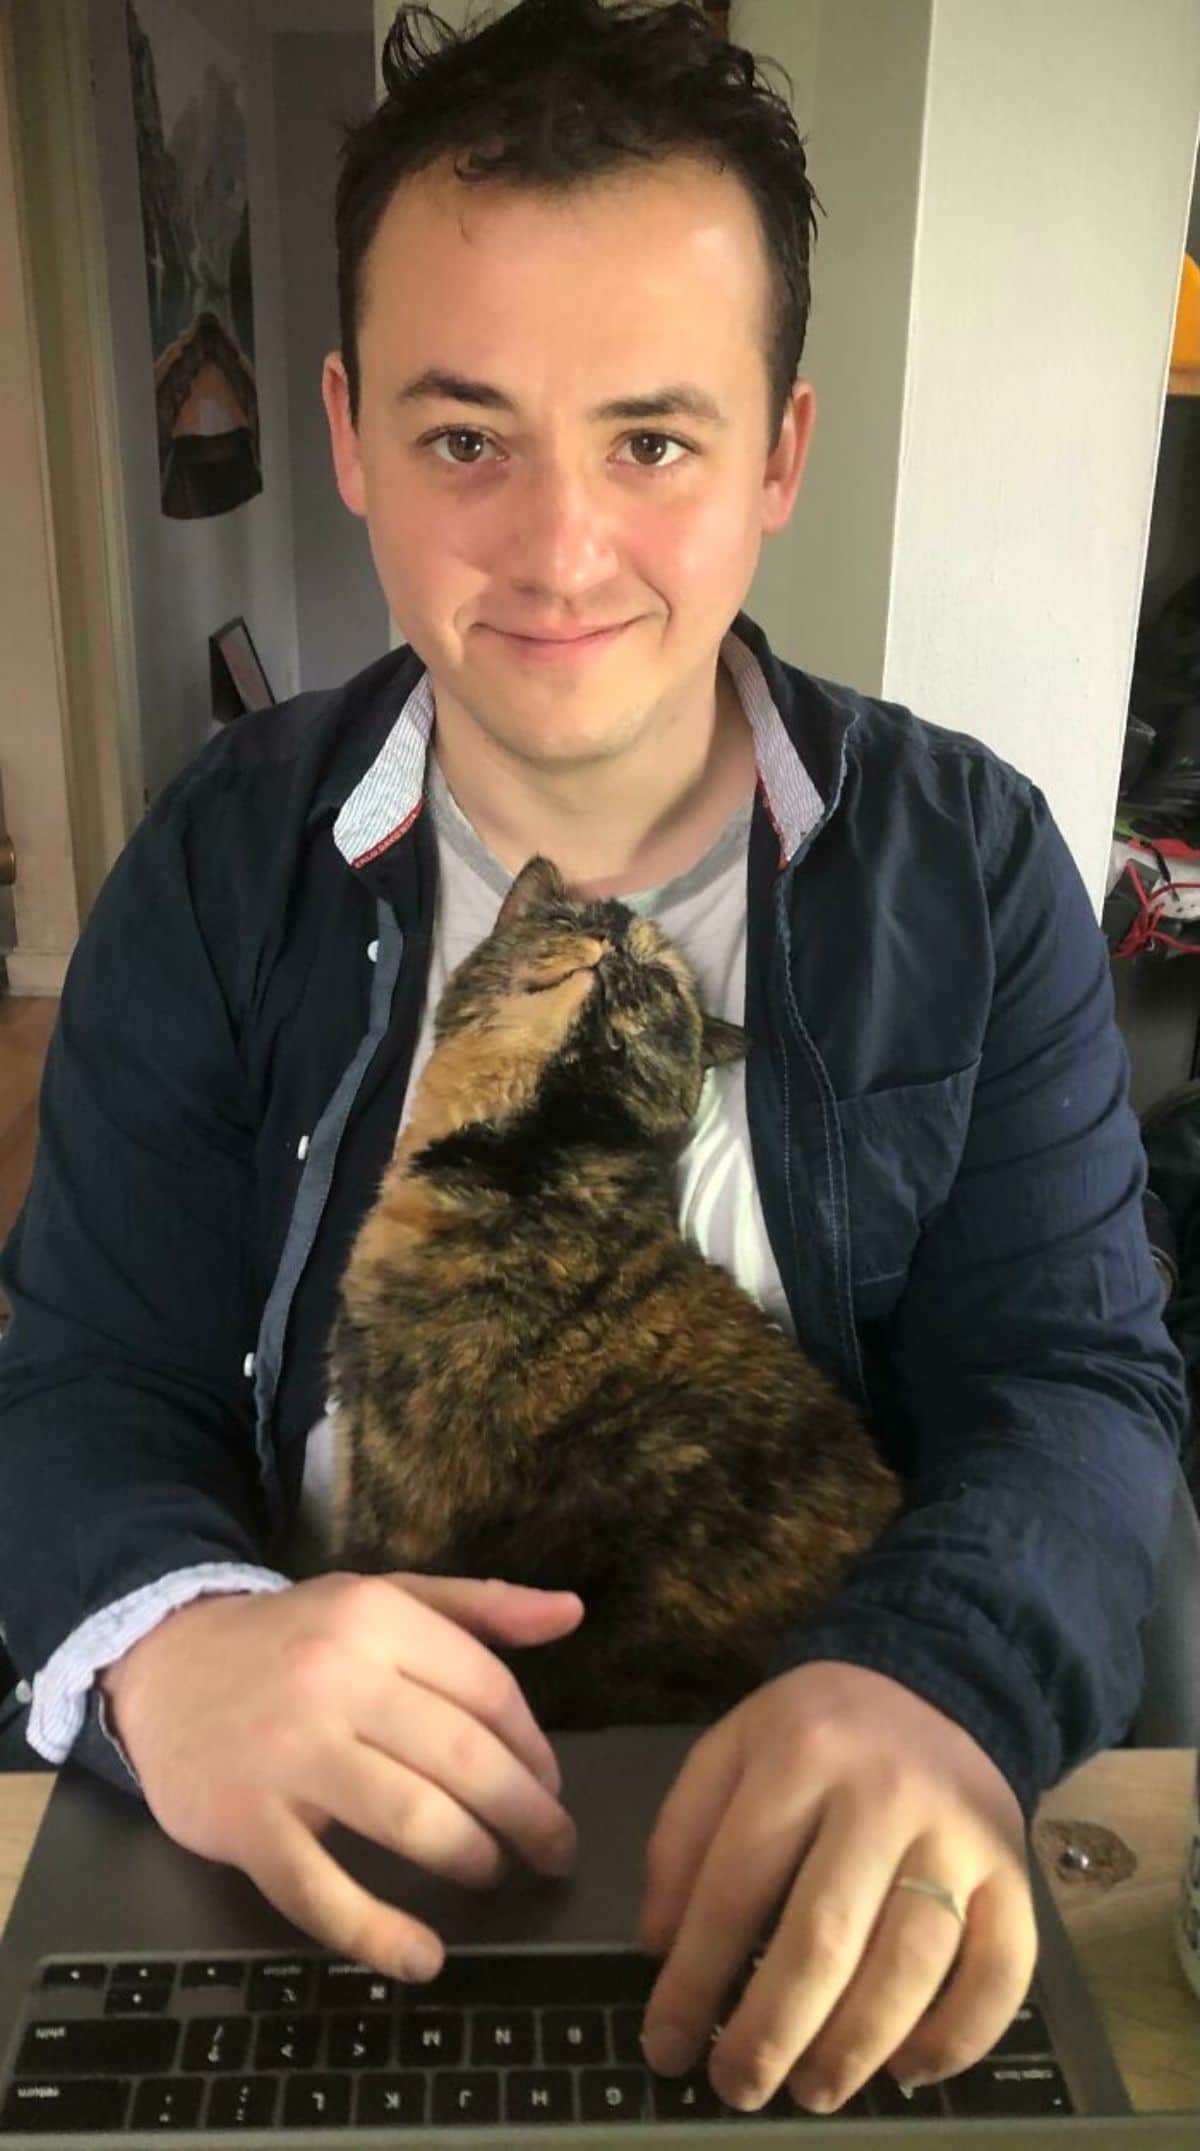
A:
949,1170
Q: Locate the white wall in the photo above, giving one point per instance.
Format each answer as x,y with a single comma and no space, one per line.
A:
858,71
1060,143
341,615
189,577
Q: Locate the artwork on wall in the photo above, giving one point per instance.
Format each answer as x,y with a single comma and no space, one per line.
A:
189,112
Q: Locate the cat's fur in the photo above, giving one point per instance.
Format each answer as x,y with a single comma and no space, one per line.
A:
538,1378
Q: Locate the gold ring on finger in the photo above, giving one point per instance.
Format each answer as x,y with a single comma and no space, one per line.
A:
937,1890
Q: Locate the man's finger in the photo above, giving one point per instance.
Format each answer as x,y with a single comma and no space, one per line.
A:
746,1870
686,1823
450,1661
306,1884
464,1765
913,1943
840,1877
491,1606
988,1985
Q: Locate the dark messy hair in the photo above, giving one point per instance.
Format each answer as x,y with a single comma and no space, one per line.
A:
555,93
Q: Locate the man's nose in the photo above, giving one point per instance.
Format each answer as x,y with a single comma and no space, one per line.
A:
560,531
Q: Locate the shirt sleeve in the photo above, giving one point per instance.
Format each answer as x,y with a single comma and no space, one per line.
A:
127,1421
62,1688
1039,1397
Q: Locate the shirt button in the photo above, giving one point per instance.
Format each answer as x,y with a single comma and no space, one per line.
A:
373,951
302,1147
248,1366
23,1692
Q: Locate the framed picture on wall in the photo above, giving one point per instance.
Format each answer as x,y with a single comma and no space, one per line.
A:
235,672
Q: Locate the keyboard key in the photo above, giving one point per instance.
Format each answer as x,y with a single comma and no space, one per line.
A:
138,2001
612,2094
143,1972
242,2102
508,1980
103,2047
1009,2087
215,2043
574,2035
466,2095
351,1986
684,2098
287,2042
1027,2034
503,2037
626,2028
281,1983
168,2102
781,2106
539,2095
86,2103
888,2099
362,2042
397,2101
214,1972
431,2036
65,1974
315,2102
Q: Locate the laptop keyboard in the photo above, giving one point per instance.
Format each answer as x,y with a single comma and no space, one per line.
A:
498,2037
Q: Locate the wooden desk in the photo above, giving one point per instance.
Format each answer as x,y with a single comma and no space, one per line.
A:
1121,1930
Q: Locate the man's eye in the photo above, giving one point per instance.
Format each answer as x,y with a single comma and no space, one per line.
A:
471,434
666,440
454,433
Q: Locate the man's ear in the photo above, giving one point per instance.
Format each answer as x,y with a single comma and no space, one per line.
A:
539,882
721,1042
343,436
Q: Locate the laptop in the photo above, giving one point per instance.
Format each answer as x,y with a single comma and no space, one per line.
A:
150,1997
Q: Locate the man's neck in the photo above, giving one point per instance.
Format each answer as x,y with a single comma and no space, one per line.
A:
616,828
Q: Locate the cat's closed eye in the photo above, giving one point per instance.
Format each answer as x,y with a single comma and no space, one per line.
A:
544,985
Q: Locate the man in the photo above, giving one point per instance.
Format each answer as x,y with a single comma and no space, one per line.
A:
554,408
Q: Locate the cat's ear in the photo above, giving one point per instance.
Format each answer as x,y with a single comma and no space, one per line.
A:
721,1042
539,882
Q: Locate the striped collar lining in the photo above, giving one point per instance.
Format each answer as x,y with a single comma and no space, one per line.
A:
386,802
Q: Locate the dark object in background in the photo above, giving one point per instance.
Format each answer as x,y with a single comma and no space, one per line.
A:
1171,1207
1160,777
1150,908
1140,737
1163,1245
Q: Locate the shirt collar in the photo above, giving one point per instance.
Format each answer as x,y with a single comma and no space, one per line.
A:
387,799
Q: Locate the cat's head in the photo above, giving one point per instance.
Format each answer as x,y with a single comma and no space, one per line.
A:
579,1003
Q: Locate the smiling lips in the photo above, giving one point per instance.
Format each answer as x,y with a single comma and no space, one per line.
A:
547,650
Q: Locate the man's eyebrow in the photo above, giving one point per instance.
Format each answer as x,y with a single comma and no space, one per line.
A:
680,399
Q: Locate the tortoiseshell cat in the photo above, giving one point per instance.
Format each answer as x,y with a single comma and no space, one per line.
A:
537,1377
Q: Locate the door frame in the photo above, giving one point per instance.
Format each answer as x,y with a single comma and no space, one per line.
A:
56,175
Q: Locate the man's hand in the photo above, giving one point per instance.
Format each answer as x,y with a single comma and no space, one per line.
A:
811,1798
255,1720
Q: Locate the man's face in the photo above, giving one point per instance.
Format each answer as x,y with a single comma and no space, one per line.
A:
546,520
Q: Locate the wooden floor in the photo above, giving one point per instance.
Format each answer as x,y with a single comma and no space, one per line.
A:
25,1027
